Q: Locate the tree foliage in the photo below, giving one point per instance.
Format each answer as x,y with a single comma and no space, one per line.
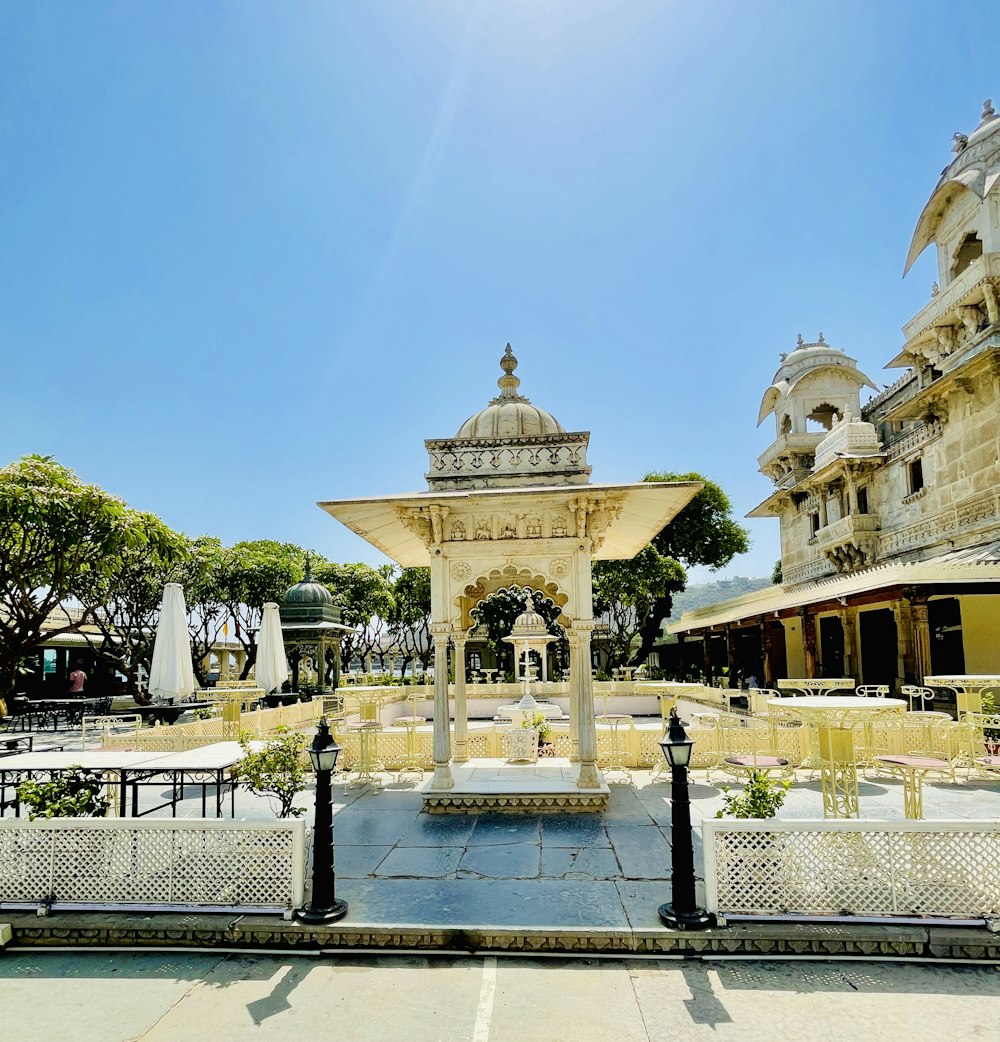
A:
276,770
61,540
627,592
363,592
249,575
410,618
131,598
703,533
498,612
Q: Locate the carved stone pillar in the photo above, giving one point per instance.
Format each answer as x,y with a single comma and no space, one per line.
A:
990,300
586,730
808,626
461,713
905,665
921,636
852,494
442,727
574,691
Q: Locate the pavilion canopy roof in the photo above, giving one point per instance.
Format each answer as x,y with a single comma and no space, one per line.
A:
646,507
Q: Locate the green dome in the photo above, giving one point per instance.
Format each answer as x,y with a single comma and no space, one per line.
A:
308,593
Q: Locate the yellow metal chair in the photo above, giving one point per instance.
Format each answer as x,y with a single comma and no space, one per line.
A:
872,690
930,747
982,737
749,748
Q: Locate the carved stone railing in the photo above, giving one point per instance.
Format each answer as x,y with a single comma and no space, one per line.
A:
913,438
953,295
848,869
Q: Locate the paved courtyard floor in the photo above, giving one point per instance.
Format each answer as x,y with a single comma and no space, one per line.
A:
396,865
181,997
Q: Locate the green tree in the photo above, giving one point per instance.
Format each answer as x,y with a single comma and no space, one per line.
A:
627,592
410,620
776,574
363,593
276,769
61,541
498,612
201,576
131,598
249,575
703,533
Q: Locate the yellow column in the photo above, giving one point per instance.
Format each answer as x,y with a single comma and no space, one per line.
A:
461,712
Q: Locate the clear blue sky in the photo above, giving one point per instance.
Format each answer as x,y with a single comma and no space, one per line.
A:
252,254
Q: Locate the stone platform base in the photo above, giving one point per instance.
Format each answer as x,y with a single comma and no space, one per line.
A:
783,940
548,787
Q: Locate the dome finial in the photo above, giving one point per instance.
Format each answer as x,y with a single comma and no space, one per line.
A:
799,342
821,340
508,383
307,577
988,112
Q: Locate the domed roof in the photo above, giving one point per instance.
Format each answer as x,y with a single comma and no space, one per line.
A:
805,360
509,415
973,173
529,623
307,592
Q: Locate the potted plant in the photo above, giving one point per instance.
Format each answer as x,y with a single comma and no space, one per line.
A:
762,797
991,735
541,726
74,793
759,857
277,770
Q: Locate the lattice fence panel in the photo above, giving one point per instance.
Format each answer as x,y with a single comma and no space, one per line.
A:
478,745
650,752
191,864
913,869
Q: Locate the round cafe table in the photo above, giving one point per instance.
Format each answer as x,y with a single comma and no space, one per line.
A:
834,717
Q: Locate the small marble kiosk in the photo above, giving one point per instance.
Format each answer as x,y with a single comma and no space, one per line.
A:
509,502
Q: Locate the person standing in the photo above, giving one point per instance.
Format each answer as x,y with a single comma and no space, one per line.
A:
76,681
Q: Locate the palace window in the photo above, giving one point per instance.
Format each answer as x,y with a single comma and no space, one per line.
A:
970,250
813,523
862,500
915,476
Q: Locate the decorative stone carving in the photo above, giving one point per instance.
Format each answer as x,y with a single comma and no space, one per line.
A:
560,567
457,531
483,529
990,300
461,571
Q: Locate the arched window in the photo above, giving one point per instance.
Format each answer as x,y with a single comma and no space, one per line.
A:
786,424
970,249
822,417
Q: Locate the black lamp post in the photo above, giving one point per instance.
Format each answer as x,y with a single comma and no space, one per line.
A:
325,906
683,912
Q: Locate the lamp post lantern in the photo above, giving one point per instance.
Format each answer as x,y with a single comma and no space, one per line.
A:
324,906
682,913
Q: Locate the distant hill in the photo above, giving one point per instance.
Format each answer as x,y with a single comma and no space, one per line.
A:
700,595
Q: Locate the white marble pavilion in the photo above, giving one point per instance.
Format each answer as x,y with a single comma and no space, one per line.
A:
509,501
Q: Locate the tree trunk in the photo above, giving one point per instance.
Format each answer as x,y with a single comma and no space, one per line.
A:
649,633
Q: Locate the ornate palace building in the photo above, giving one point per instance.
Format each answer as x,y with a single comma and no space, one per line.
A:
890,512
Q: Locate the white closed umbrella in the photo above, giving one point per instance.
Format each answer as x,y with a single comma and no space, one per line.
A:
171,676
271,666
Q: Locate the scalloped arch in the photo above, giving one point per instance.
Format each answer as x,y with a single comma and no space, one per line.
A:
499,579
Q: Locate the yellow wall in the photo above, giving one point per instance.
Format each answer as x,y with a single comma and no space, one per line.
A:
981,633
793,648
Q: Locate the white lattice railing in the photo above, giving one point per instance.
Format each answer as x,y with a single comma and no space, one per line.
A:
110,863
849,869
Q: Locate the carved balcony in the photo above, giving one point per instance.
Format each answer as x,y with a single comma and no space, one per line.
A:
850,542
